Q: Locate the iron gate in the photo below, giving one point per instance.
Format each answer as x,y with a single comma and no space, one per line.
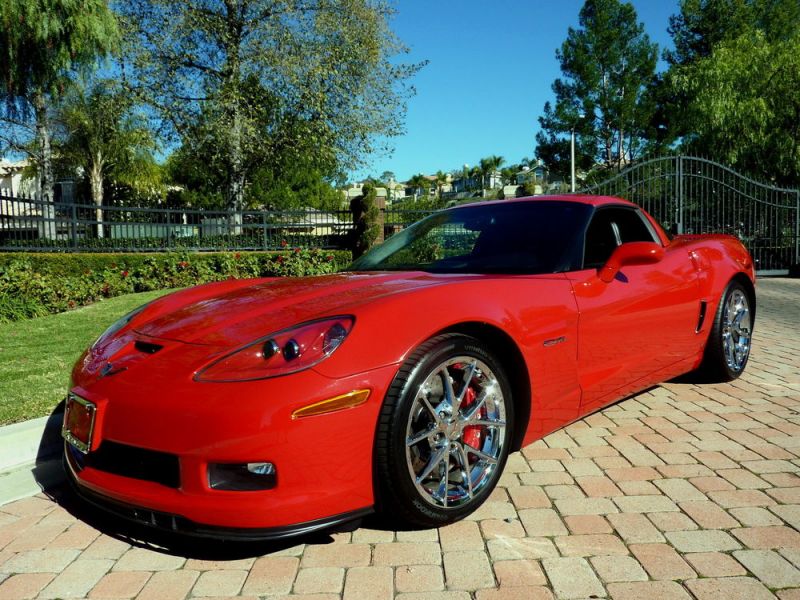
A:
688,194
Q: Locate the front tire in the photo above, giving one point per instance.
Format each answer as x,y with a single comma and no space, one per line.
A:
444,432
728,346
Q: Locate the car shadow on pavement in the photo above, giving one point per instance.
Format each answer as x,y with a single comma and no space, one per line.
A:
51,477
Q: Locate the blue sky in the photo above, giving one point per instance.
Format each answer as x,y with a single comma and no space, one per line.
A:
491,67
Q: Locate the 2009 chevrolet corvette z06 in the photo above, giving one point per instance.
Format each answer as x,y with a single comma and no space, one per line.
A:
272,407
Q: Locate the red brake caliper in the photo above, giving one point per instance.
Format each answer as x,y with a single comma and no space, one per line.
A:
472,433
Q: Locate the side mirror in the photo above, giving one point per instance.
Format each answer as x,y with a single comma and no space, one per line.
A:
632,253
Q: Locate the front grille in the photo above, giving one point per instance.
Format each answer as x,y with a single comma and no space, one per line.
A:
138,463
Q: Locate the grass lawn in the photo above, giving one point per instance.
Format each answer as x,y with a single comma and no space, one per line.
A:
36,356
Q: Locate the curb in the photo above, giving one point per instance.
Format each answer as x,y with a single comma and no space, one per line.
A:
25,443
29,457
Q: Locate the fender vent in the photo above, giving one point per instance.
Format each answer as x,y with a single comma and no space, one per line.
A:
702,317
146,347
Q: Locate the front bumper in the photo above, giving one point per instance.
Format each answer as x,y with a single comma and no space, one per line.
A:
171,523
323,463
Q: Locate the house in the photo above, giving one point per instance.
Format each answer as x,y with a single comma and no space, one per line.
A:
466,183
537,174
389,192
13,182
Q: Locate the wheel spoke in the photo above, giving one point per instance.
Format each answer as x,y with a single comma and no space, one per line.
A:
432,464
447,384
479,402
730,351
469,373
482,455
488,423
426,403
442,492
730,311
422,435
466,472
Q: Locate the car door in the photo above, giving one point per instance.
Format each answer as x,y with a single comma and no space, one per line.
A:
636,326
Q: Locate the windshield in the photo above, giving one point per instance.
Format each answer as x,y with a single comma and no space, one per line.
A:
516,237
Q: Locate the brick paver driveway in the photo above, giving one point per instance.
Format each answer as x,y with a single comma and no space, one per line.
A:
682,491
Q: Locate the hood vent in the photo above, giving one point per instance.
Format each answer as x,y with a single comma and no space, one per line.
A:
147,347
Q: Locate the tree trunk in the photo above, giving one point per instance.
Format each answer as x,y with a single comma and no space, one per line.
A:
47,227
233,84
237,178
96,182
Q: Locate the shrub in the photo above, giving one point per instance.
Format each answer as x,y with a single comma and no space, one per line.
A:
249,240
366,227
32,285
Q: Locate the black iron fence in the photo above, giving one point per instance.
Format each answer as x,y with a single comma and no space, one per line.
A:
695,195
34,225
686,194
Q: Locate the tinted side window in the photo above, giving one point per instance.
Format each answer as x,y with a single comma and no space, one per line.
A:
601,240
631,226
609,228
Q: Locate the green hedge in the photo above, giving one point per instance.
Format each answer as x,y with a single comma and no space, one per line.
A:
243,242
37,284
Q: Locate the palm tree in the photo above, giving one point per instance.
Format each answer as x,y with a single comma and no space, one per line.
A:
476,174
441,179
107,139
489,166
419,182
495,162
508,174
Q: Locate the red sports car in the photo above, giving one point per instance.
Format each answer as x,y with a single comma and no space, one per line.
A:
273,407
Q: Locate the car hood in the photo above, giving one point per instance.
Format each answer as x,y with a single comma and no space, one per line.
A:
229,317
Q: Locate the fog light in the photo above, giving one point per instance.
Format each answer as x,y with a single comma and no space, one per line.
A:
242,477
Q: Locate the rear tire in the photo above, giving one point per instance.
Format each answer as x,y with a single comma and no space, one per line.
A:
730,338
444,432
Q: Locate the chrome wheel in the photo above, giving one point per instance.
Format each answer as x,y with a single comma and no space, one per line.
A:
455,432
736,330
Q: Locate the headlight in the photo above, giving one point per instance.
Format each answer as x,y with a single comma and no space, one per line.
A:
288,351
118,325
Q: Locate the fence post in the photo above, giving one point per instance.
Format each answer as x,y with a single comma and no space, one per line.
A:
680,194
264,228
797,228
73,226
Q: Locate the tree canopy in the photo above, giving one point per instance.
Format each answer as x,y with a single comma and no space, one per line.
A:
744,107
270,82
42,44
731,92
606,64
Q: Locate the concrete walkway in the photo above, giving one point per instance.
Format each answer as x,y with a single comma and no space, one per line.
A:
683,491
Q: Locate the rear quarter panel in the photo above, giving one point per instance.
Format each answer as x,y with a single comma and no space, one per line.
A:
718,259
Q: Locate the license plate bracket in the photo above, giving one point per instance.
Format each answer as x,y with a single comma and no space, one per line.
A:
79,420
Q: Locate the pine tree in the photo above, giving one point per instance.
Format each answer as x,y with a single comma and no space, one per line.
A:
606,64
